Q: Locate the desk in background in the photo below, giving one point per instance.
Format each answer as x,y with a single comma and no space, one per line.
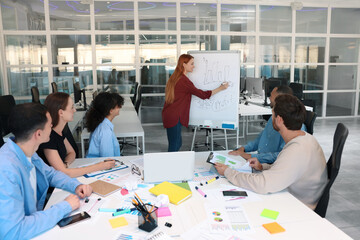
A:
127,124
299,221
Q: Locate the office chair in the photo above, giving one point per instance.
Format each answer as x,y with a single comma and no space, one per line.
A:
138,100
7,103
333,167
133,98
54,87
35,95
297,90
309,103
309,121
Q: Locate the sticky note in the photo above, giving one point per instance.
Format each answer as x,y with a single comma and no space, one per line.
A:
269,214
118,222
163,212
273,227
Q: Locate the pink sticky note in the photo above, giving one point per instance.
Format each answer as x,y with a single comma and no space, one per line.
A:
163,212
124,191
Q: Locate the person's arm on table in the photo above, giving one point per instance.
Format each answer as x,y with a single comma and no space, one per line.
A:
276,177
249,147
14,224
55,161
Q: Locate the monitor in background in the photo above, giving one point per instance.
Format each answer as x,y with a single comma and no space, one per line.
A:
269,85
254,86
242,84
77,95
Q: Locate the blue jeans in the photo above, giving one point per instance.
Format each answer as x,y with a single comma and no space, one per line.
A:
174,138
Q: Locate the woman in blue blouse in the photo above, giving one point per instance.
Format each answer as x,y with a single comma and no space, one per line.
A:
103,142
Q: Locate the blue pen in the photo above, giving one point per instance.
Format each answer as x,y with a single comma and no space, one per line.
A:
109,209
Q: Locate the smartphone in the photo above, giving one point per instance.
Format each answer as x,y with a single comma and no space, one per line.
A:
73,219
234,194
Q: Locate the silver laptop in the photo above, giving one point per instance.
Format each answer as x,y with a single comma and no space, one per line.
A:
172,166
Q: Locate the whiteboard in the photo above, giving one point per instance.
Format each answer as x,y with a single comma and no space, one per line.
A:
211,69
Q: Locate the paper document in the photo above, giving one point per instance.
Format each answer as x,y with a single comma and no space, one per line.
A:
215,157
227,219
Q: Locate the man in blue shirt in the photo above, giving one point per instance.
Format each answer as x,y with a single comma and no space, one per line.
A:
25,178
269,143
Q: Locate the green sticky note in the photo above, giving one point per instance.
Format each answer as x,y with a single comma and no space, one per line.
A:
270,214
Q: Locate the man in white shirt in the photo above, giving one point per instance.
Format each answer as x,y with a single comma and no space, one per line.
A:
300,167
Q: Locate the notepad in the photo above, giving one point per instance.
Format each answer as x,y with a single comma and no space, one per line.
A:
269,214
118,222
104,188
163,212
273,227
175,193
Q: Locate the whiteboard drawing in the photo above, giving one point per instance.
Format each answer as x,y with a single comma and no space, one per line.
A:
211,69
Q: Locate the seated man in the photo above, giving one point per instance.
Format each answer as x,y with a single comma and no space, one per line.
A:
269,142
300,167
25,178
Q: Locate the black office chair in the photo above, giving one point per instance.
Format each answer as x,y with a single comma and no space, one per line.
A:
35,95
133,98
333,167
7,103
138,100
297,90
54,87
309,103
309,121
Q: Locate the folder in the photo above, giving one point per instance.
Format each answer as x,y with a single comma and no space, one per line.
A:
176,194
104,188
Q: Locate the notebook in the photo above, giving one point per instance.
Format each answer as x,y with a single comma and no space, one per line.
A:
176,194
178,166
104,188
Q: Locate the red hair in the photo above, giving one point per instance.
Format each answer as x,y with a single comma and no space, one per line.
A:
174,78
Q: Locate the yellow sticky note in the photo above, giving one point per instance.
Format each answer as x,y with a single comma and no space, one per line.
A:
118,222
273,227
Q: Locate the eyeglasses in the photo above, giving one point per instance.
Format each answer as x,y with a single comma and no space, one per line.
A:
135,170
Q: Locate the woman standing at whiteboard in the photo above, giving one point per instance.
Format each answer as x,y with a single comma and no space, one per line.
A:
178,93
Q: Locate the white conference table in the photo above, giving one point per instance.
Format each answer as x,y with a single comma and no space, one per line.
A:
298,220
127,124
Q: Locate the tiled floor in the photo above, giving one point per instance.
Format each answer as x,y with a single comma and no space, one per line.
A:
344,206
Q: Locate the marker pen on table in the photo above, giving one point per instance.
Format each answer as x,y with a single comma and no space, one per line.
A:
121,212
211,180
109,209
201,192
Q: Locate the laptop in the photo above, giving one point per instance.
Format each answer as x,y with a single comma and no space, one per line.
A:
172,166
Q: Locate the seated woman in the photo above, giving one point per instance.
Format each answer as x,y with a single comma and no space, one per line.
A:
58,152
104,108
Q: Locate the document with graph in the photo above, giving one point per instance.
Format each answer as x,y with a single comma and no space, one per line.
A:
215,157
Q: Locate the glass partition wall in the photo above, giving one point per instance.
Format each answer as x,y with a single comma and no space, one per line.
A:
112,45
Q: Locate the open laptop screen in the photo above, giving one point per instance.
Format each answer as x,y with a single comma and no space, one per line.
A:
172,166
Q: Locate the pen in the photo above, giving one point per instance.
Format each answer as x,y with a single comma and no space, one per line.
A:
121,212
110,209
211,180
108,160
201,192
